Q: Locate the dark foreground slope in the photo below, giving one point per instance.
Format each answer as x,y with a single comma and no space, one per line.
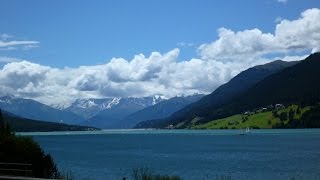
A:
223,101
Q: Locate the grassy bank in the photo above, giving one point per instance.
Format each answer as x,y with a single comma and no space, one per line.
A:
258,119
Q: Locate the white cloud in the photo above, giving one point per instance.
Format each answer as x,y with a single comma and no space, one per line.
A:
282,1
141,76
30,46
219,61
5,36
292,58
6,44
300,34
289,36
16,43
5,59
185,44
233,45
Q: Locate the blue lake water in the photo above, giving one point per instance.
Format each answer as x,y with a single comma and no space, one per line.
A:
191,154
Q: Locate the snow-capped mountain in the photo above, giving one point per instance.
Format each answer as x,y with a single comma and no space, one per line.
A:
102,113
88,108
31,109
158,111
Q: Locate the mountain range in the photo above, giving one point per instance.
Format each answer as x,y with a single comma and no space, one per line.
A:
106,113
162,109
275,82
89,108
115,109
294,82
32,109
20,124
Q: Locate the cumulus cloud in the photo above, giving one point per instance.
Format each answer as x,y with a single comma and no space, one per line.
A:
164,74
142,76
300,34
231,45
289,36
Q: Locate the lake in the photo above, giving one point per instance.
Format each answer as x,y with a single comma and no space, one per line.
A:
191,154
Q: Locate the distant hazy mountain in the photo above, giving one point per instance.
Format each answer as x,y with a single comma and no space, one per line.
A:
31,109
108,112
222,95
161,110
19,124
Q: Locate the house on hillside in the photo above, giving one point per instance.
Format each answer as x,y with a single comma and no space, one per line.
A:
279,106
247,113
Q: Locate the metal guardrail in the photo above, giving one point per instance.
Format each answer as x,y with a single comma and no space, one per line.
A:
15,169
19,178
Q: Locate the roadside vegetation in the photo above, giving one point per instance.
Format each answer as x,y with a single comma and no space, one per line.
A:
24,150
147,174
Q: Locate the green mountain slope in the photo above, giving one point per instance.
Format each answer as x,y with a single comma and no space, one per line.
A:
261,120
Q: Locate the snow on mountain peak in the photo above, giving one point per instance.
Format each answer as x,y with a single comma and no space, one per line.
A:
91,103
85,103
114,102
156,99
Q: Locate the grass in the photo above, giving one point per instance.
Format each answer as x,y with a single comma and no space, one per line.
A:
260,120
263,120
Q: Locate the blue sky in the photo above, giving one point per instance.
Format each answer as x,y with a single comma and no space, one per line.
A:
59,51
74,33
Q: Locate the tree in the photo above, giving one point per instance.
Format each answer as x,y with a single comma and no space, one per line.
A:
283,116
310,119
275,113
298,110
291,114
